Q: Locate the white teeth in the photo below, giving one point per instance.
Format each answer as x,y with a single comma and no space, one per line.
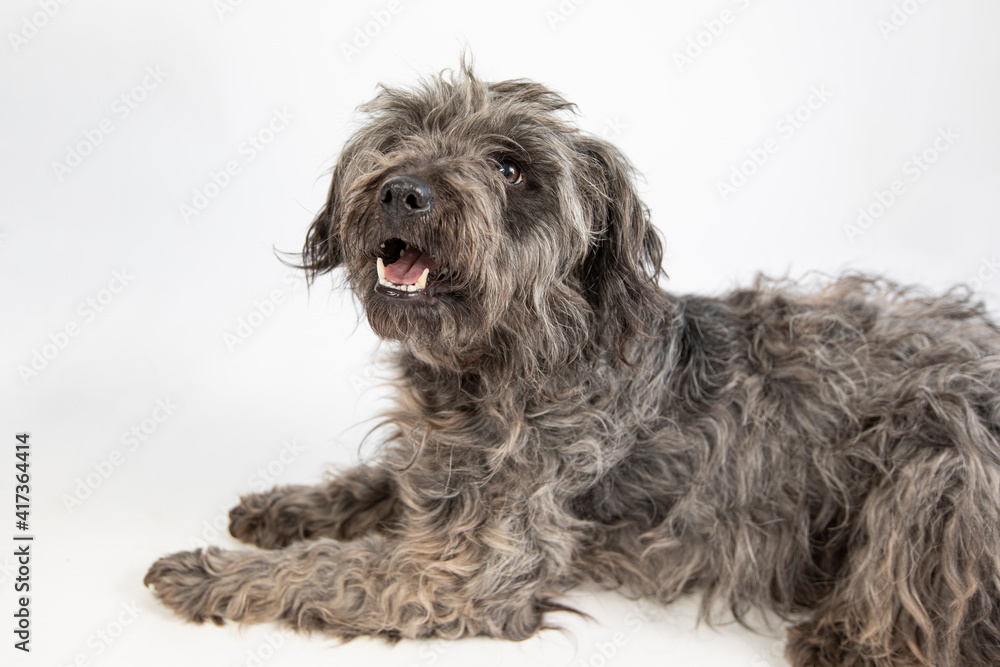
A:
421,281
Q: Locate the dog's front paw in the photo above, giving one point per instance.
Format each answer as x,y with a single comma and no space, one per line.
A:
183,582
269,520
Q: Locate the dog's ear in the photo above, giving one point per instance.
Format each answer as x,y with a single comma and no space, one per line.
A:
321,252
620,272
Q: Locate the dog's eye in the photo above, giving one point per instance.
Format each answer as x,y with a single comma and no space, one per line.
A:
511,172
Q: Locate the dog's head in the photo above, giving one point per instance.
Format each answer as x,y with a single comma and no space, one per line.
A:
473,217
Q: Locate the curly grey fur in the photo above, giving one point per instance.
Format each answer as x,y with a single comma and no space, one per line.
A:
831,456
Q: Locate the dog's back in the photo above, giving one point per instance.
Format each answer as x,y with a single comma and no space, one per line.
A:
836,452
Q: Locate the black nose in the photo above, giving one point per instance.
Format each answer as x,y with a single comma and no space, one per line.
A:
405,196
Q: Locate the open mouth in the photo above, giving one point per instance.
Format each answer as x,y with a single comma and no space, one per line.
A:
406,271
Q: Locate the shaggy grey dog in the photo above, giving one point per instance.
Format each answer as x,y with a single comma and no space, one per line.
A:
831,457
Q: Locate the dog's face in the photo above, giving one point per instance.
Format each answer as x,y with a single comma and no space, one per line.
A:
465,210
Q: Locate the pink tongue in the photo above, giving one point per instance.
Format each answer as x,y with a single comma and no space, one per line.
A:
407,269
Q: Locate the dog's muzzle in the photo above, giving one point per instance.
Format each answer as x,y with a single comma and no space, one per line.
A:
406,271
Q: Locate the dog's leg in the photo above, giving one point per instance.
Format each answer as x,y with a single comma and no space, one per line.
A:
352,504
920,586
430,584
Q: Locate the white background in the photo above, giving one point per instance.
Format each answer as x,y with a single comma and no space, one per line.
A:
305,376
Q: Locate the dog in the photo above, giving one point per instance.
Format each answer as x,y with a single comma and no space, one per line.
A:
830,455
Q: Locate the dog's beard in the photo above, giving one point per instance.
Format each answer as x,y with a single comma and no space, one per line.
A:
450,326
